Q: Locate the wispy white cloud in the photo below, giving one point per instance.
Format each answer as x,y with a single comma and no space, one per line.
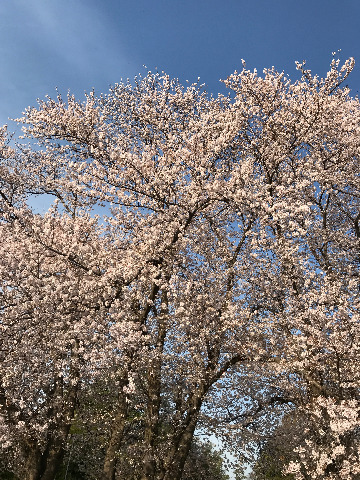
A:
74,31
47,43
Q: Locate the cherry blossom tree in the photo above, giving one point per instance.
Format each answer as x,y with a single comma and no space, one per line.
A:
52,317
202,253
312,267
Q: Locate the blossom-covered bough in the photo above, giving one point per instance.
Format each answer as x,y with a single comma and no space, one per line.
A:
200,259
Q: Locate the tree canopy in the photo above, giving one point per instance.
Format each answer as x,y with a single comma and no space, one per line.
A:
198,268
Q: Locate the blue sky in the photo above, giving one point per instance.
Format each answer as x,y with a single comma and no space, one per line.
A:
80,44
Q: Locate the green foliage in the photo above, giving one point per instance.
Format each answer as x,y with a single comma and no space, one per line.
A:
273,458
70,471
204,463
269,467
7,476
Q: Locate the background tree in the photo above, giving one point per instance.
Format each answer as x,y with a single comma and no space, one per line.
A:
277,450
54,335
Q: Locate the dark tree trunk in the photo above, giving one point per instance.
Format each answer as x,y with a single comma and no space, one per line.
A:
32,462
175,462
44,465
52,460
116,437
175,467
152,420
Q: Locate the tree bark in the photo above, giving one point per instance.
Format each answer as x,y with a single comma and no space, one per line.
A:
175,468
52,459
32,462
117,432
152,423
154,395
182,443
